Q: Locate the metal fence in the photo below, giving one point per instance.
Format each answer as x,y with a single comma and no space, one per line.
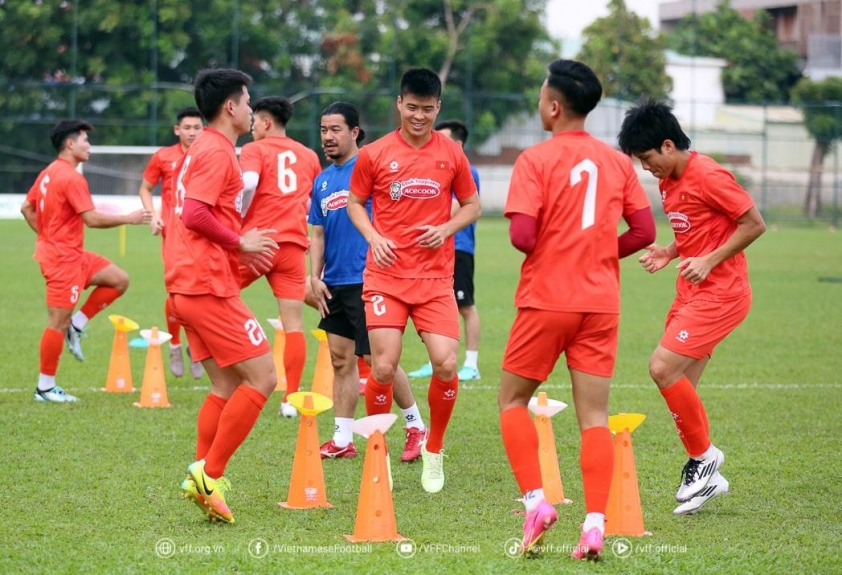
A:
767,147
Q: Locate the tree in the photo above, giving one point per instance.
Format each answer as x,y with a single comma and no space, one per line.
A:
132,62
821,103
626,54
758,69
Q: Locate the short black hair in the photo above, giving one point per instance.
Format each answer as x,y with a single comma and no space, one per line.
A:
68,129
214,87
646,127
351,115
577,84
187,112
279,108
457,128
421,82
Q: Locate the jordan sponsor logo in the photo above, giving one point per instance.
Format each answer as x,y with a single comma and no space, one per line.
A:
380,399
680,222
415,189
335,201
682,336
450,395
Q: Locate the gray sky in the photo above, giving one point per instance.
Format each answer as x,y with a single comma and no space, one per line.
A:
567,18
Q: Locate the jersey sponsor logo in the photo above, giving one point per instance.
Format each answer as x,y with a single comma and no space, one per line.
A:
442,165
415,189
393,166
680,222
682,336
335,201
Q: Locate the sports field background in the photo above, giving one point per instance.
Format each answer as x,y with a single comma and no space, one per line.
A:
93,486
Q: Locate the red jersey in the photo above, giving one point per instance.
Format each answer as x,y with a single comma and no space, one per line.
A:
160,169
59,195
194,265
409,188
578,189
703,206
287,170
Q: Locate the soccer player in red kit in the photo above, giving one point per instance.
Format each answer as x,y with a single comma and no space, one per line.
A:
57,208
713,219
160,169
278,174
409,175
201,264
566,199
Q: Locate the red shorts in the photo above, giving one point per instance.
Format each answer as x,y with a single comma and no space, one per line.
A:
430,302
695,327
288,276
66,282
223,328
538,337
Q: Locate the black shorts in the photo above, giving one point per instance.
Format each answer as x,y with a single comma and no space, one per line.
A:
463,279
346,317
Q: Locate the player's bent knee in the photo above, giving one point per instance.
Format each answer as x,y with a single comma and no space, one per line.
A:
662,373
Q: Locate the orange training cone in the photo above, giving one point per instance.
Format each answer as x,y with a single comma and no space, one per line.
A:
307,484
375,510
624,515
323,374
153,391
278,353
544,409
119,378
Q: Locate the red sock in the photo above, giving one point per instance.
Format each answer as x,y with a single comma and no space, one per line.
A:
52,342
235,422
521,441
295,355
689,415
378,397
173,325
441,396
596,458
99,299
704,416
208,423
364,369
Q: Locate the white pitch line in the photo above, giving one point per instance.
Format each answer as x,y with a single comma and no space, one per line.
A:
471,387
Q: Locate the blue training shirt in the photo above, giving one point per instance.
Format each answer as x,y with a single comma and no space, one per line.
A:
465,237
345,247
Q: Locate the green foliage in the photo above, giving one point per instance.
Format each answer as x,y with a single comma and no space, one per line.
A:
288,48
821,103
758,69
626,54
92,487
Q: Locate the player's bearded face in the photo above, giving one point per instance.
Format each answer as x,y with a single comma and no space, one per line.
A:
418,114
336,136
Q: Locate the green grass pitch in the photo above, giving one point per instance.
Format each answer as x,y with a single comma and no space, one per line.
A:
93,487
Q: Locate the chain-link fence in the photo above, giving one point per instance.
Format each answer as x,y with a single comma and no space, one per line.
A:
768,148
